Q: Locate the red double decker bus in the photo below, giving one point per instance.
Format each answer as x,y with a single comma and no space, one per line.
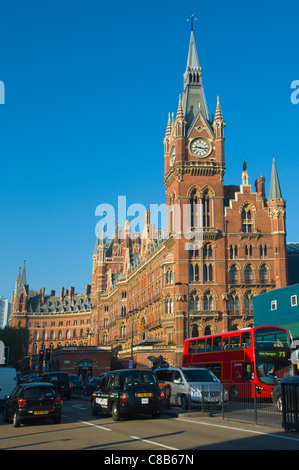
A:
258,356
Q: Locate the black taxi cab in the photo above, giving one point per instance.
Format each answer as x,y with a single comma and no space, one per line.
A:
128,392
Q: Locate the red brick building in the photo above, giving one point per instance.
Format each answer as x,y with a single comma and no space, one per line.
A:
224,245
60,322
149,294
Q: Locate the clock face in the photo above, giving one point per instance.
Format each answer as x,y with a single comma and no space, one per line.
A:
172,158
200,147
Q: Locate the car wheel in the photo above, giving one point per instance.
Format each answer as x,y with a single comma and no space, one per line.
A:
94,409
115,412
184,402
156,414
16,420
279,402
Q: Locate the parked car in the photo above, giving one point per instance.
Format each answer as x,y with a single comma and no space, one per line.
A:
277,394
128,393
61,381
76,383
32,400
192,386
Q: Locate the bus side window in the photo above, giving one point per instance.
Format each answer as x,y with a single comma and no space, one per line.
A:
217,343
234,342
225,344
200,346
209,345
191,347
245,340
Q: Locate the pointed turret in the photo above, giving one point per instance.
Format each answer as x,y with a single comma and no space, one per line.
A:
97,243
218,114
180,111
275,192
218,123
22,279
18,281
277,214
102,240
194,101
168,129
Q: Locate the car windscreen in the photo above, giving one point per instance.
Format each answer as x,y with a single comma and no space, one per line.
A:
38,391
140,378
199,375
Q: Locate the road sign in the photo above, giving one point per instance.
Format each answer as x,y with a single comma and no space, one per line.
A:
130,364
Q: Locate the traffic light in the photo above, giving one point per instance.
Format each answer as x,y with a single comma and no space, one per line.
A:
41,356
6,355
48,356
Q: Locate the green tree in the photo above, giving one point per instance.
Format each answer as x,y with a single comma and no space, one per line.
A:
17,339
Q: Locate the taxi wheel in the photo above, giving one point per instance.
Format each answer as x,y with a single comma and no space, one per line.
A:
115,412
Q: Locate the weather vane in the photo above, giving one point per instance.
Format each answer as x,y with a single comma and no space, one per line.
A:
191,19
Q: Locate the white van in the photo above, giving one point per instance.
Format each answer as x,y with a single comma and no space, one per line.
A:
8,382
193,386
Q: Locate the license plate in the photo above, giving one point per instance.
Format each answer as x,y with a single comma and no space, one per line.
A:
142,395
102,401
144,401
44,412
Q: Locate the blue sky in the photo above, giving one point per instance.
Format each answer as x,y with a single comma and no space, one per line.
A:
88,89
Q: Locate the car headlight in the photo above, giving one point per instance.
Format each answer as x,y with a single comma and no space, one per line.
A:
195,392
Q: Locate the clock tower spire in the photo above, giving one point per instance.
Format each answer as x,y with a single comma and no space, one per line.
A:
194,101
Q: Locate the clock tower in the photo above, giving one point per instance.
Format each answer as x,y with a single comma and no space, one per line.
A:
194,156
194,171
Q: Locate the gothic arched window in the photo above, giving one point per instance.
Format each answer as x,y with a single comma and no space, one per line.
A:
193,209
263,274
194,302
248,303
247,219
208,301
248,274
206,209
233,274
234,302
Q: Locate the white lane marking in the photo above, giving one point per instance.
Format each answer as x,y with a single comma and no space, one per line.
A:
132,437
153,442
238,429
94,425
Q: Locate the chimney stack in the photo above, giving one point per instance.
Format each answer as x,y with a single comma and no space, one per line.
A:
72,292
61,294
